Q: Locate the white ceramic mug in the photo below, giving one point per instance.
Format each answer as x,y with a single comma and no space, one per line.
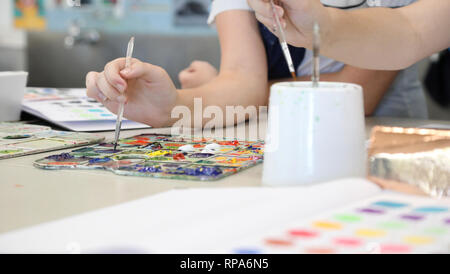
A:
12,90
314,134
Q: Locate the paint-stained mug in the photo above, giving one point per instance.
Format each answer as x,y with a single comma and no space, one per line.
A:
314,134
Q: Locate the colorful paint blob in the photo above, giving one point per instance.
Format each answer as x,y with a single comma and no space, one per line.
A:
390,204
371,211
278,242
348,241
411,217
386,226
159,156
327,225
302,233
394,249
418,240
348,218
370,233
431,209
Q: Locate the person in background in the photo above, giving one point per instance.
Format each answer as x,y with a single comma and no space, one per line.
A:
372,38
250,57
386,93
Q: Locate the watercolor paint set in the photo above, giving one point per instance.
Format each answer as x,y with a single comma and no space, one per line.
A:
163,156
72,109
18,139
384,224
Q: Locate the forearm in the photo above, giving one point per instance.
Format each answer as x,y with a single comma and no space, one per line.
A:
227,89
382,38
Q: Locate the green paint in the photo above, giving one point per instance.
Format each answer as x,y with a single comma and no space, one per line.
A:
10,151
205,162
317,118
160,158
392,225
436,230
348,218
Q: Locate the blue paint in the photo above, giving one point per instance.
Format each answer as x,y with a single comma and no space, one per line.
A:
96,110
431,209
390,204
247,251
99,160
201,155
203,171
150,169
60,157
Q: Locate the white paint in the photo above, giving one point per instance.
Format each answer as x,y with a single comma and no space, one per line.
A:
186,148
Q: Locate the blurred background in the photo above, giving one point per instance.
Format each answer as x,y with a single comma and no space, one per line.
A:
59,41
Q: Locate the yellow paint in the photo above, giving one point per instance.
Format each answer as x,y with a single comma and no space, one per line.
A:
418,240
327,225
156,153
370,233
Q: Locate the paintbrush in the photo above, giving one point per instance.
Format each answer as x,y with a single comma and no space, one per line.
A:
315,76
122,104
282,39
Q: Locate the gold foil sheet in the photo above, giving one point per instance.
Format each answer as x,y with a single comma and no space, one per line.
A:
411,160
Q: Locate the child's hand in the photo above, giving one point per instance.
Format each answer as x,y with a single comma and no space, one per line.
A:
148,91
197,74
297,18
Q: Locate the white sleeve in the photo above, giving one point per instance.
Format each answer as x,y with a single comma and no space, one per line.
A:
219,6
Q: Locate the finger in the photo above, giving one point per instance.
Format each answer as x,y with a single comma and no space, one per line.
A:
145,71
264,8
182,76
112,74
107,89
112,106
92,90
268,22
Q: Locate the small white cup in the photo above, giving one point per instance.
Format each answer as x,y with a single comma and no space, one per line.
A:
314,134
12,90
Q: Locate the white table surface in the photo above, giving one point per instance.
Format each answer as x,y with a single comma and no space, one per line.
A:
30,196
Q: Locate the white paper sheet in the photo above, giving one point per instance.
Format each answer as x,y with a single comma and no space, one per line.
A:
71,109
187,221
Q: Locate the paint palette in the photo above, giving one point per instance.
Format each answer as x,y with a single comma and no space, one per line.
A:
163,156
381,225
18,139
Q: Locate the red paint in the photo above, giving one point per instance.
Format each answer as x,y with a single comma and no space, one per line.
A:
179,156
320,250
348,241
303,233
395,248
137,142
229,143
174,145
19,186
278,242
198,146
